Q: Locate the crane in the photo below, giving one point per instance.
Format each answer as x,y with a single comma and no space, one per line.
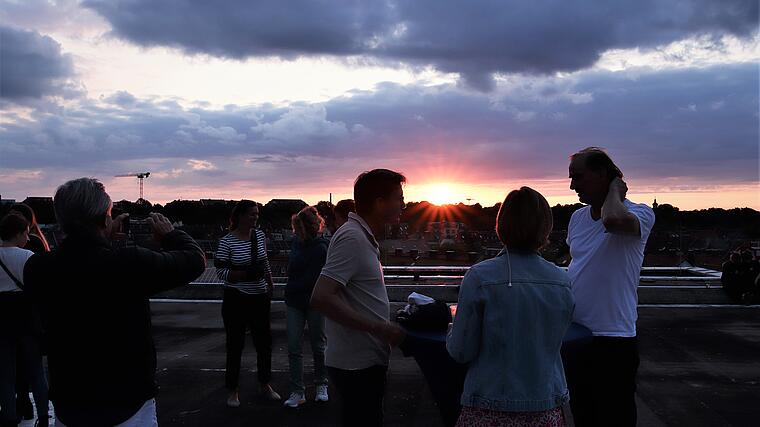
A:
140,176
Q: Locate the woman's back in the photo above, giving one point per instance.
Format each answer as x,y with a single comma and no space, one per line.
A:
509,329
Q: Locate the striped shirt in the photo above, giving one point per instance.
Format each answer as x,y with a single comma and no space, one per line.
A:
233,250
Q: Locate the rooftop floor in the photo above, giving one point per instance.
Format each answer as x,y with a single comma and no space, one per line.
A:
699,367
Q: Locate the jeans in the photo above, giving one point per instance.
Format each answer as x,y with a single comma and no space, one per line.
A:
11,349
241,311
297,319
601,376
361,392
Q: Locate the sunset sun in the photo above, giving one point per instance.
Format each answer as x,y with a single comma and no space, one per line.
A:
439,194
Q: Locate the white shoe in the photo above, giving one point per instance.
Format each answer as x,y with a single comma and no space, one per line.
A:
295,400
321,393
267,392
233,401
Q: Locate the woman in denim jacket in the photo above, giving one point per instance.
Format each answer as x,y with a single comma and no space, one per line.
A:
512,314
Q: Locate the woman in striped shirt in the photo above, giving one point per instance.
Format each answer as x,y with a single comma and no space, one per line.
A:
242,264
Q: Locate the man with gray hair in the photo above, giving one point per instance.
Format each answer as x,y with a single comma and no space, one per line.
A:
93,300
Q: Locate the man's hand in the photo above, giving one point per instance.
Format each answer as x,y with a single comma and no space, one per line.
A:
389,332
160,225
619,188
114,231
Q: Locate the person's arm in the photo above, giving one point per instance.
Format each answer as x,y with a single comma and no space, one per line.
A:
463,341
615,215
181,261
326,299
225,271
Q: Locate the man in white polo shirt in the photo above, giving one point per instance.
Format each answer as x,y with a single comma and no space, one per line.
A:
607,239
351,294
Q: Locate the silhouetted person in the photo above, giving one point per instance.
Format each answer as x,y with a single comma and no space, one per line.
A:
341,211
242,264
307,257
351,293
512,314
94,304
607,239
731,277
29,359
19,346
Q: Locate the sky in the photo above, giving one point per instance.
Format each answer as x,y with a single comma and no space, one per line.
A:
469,100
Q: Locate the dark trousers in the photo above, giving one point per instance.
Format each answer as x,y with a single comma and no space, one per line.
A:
601,376
241,311
361,393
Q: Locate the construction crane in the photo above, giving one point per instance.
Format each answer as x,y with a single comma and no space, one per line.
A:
140,177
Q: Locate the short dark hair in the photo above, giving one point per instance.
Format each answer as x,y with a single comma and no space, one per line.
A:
240,208
12,225
344,207
597,160
524,220
377,183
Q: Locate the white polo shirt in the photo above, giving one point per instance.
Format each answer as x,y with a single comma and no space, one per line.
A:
353,260
605,271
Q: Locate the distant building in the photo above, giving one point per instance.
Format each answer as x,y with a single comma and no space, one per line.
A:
288,204
213,202
445,230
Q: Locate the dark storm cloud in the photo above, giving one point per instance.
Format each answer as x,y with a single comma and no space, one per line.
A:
473,38
32,66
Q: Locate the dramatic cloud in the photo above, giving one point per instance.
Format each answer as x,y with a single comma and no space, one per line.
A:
691,127
473,38
32,66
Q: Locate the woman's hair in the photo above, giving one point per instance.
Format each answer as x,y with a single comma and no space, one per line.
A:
240,208
12,225
34,228
524,220
307,223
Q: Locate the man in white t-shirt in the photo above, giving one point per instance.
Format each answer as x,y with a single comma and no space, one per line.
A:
351,294
607,239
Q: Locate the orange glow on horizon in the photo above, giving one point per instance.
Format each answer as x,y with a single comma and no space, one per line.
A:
438,186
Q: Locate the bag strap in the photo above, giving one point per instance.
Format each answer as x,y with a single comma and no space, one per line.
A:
254,246
8,272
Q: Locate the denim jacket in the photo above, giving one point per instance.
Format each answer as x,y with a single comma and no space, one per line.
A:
510,335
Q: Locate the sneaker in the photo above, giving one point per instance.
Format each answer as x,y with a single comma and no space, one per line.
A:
268,393
295,400
321,393
233,400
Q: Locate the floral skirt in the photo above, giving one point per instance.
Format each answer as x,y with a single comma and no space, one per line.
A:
478,417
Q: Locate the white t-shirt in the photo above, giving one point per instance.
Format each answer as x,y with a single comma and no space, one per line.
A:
605,271
14,258
353,260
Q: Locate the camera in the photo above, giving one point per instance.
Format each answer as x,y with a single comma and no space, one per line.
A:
135,225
